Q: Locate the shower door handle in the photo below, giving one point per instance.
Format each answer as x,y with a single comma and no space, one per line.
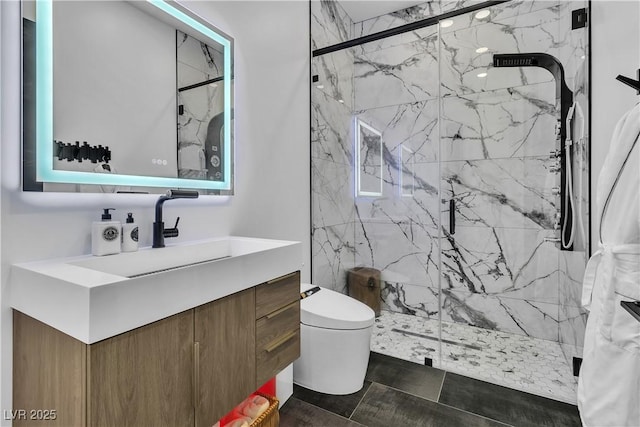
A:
452,217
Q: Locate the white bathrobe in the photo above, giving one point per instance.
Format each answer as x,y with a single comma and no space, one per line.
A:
609,382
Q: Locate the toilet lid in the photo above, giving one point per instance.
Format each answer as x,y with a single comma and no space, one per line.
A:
333,310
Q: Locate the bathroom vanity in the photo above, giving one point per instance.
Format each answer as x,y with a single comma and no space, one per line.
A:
184,369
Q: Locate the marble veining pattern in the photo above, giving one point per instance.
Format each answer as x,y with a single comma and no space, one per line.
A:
506,123
400,75
505,193
523,363
482,141
411,125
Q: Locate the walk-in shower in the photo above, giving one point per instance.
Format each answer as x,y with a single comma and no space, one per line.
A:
449,142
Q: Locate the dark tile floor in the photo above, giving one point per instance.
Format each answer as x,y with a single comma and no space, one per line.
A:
400,393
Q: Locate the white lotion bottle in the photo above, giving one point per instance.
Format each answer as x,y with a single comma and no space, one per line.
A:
129,234
105,235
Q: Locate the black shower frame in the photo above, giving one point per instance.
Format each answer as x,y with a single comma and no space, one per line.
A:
412,26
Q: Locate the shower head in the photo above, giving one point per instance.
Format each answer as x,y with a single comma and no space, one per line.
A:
517,60
542,60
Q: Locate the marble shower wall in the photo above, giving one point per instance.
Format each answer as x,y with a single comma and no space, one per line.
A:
449,134
332,155
196,62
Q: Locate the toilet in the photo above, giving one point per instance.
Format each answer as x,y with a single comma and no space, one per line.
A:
335,336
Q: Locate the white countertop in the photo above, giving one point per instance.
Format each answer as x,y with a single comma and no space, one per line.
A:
94,298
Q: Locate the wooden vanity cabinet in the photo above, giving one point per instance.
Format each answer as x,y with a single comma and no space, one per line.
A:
225,365
189,369
143,377
277,325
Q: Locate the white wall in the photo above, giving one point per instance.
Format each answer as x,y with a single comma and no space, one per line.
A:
615,49
272,154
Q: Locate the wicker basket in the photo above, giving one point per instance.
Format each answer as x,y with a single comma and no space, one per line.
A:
270,417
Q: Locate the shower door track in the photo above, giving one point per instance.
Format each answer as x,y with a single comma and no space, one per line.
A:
404,28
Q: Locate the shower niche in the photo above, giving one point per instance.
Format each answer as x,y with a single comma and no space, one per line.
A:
477,192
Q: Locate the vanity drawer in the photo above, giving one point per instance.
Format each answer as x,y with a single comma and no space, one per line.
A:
277,355
277,293
276,325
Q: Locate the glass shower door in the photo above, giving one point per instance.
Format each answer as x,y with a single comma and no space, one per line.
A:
500,270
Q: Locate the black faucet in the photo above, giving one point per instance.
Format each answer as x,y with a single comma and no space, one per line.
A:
159,232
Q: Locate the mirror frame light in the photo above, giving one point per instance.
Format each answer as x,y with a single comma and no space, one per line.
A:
358,170
44,110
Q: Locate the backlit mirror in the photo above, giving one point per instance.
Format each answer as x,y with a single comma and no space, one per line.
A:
125,97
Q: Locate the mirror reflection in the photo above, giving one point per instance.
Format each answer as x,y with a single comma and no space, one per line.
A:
139,94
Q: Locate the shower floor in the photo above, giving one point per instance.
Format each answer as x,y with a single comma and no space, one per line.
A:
532,365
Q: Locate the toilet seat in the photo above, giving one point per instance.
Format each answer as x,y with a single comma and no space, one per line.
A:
332,310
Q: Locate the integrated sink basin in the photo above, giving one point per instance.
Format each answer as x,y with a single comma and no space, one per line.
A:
150,261
94,298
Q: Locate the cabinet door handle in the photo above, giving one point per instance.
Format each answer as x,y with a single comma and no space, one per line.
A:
280,310
196,374
274,345
282,278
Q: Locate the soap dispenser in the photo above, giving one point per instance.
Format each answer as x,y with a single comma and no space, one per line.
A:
105,235
129,234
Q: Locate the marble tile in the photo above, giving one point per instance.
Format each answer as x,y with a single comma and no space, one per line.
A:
422,39
514,122
335,75
419,209
413,126
399,75
532,32
417,300
500,403
573,323
506,193
504,10
330,24
332,193
333,254
402,247
516,361
396,19
500,262
384,406
331,129
572,267
517,316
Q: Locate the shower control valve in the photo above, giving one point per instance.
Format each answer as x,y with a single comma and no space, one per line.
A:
555,154
555,191
555,167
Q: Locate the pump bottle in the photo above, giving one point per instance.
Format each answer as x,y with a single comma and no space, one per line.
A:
129,234
105,235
